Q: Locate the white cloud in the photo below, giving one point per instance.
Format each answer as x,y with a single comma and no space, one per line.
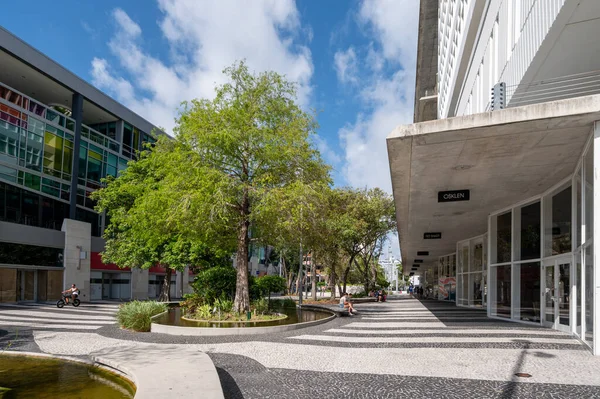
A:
345,64
387,98
203,39
395,25
326,152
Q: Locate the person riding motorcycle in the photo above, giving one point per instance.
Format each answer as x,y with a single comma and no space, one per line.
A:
72,293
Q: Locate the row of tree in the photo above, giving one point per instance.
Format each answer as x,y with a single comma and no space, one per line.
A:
241,168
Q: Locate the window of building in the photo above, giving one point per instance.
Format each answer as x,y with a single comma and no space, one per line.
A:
588,162
528,275
33,255
501,298
529,232
589,294
503,238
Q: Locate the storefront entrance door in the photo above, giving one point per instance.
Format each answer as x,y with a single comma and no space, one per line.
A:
26,285
556,293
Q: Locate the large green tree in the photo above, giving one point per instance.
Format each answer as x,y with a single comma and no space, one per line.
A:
252,141
141,231
364,219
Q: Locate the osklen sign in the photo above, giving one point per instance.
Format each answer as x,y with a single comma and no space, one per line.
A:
453,196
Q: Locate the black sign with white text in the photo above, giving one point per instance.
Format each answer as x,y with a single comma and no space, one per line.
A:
432,236
455,195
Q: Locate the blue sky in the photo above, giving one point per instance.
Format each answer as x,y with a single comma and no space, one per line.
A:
354,60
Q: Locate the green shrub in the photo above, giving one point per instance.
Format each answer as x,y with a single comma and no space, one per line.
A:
204,312
269,284
253,288
191,302
361,294
284,303
261,305
216,282
136,315
223,305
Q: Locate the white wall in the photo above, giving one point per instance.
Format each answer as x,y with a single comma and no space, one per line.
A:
78,238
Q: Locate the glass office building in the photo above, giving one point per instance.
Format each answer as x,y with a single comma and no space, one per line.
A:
59,137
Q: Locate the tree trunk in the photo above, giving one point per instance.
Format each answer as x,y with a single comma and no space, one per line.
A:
345,278
374,273
242,296
290,283
332,279
165,291
298,281
313,273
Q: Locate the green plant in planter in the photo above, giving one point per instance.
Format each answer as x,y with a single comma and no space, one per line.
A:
136,315
261,305
223,305
204,312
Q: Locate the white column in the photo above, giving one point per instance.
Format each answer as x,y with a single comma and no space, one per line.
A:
596,239
139,283
76,257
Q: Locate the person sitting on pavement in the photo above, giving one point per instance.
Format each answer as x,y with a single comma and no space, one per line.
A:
72,292
344,303
381,296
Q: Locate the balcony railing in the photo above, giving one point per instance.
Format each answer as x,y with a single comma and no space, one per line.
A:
560,88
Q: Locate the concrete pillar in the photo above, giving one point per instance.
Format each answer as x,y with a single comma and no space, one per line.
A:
78,116
76,257
179,284
139,284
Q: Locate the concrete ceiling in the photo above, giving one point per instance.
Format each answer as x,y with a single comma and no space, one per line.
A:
502,157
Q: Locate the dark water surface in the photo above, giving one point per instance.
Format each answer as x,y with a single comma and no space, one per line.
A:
40,378
294,315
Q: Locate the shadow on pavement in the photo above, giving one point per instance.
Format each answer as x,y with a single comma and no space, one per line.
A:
230,387
443,311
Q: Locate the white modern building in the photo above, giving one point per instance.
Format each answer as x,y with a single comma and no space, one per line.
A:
495,195
389,265
543,50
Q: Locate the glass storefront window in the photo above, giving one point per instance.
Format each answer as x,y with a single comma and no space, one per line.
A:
580,293
529,291
464,267
501,294
453,265
476,288
477,263
578,206
589,193
557,237
463,295
503,238
530,231
589,294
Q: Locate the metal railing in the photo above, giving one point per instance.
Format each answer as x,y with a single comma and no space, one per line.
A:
560,88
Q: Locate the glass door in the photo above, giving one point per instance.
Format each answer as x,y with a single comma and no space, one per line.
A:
549,294
563,300
557,294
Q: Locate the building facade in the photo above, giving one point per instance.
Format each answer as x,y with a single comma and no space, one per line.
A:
59,136
500,188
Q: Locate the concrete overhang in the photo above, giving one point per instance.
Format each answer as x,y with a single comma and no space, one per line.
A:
502,157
